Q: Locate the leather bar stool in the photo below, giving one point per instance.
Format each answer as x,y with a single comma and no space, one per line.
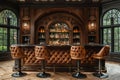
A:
101,56
78,53
42,54
17,54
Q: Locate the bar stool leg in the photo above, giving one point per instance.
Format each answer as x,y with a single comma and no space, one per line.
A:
78,74
19,73
43,74
100,74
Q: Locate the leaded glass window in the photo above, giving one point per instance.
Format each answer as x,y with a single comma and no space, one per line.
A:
111,17
111,29
3,39
5,14
8,29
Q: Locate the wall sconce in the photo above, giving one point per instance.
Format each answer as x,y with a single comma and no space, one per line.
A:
25,26
92,24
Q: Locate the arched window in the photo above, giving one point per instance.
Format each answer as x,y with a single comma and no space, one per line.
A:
111,29
8,29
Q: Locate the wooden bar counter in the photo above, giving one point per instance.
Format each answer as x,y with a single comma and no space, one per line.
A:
59,59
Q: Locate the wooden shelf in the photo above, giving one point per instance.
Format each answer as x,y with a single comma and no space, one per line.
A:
56,35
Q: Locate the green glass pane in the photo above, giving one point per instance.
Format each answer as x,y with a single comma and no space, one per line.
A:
1,42
104,36
118,20
115,21
3,39
116,49
116,39
108,22
0,48
107,36
105,31
116,33
13,36
104,22
116,42
4,48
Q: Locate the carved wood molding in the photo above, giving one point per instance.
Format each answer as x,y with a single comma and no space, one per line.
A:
58,17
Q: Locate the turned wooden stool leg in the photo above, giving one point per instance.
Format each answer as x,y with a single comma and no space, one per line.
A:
17,54
41,54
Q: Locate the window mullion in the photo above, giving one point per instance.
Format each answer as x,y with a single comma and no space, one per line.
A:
8,34
112,39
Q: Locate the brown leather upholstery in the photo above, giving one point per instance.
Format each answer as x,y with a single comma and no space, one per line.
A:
59,55
60,58
30,56
102,53
77,52
41,52
16,52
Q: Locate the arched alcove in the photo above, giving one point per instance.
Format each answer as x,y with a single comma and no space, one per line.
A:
59,17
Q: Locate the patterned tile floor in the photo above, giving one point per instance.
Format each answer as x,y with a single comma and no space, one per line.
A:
6,71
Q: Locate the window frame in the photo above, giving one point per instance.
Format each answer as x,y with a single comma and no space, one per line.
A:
9,27
112,27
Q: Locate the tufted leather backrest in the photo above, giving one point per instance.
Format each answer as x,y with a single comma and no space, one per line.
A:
41,52
77,52
103,52
107,50
16,52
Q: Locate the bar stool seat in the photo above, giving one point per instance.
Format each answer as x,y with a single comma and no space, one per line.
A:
78,53
17,54
100,56
41,53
